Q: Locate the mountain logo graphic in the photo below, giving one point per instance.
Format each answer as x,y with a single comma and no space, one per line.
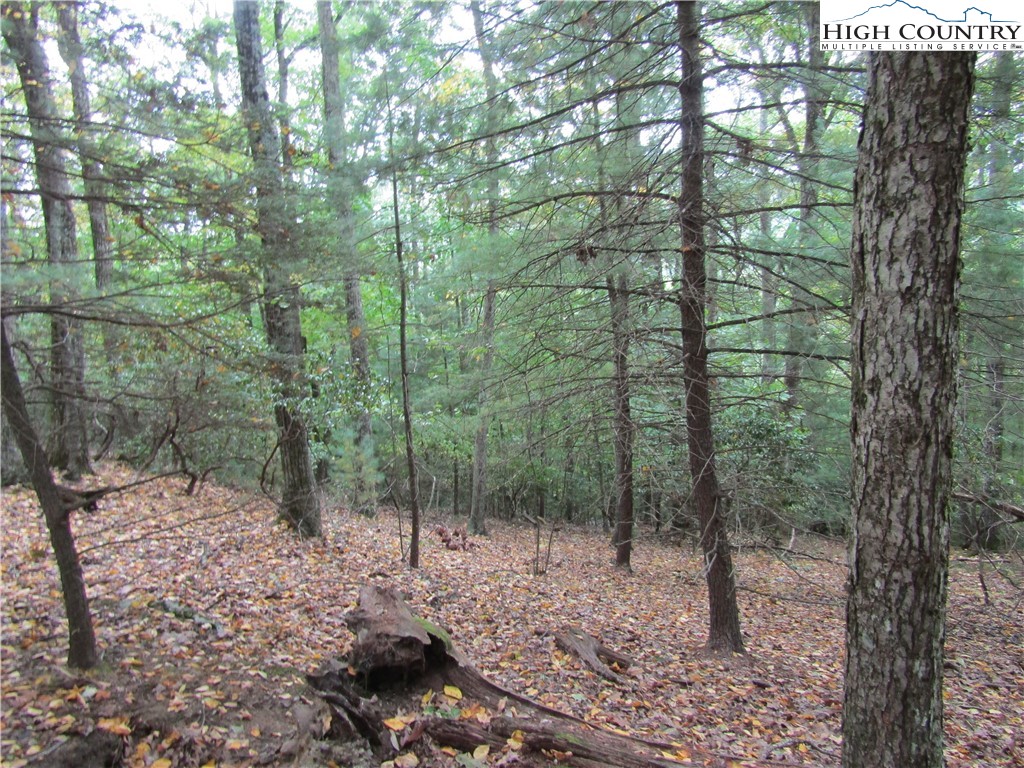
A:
965,16
921,25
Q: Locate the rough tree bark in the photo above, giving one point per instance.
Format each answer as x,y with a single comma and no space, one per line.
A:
69,439
300,505
81,637
908,197
724,625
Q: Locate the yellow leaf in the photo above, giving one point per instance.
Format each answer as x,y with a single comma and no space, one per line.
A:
481,752
428,697
395,723
116,725
515,741
163,762
452,692
408,760
450,751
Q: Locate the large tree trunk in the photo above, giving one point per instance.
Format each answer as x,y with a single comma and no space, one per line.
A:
724,626
623,427
908,196
300,505
343,187
69,439
81,637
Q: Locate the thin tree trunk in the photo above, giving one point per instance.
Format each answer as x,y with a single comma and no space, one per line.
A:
81,637
69,439
283,63
300,505
623,427
724,628
800,330
403,350
342,185
908,197
70,47
478,496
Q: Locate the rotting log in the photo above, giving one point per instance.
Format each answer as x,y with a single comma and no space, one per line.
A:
395,649
592,652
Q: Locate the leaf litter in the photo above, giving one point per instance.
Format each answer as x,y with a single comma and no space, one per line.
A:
209,613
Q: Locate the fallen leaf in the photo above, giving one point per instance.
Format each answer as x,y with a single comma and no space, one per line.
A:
115,725
452,692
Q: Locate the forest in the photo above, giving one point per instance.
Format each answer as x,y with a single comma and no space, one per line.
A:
634,362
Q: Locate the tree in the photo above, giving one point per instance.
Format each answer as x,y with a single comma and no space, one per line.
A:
724,624
70,46
81,636
622,420
343,186
70,437
300,505
908,198
478,498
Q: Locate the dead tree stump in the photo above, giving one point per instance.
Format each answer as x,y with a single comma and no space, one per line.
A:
395,648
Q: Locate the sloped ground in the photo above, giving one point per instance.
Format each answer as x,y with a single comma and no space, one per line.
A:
209,613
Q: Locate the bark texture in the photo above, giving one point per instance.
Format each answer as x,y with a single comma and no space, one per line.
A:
81,636
300,505
69,444
724,622
908,197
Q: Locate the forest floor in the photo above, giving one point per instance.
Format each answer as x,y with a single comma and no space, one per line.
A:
209,614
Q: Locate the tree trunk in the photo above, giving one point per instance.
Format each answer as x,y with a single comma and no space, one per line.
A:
343,186
800,331
70,46
908,197
300,505
81,637
623,427
403,351
478,496
724,628
69,440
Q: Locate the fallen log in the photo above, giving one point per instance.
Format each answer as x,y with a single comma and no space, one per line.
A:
592,652
395,649
1014,511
